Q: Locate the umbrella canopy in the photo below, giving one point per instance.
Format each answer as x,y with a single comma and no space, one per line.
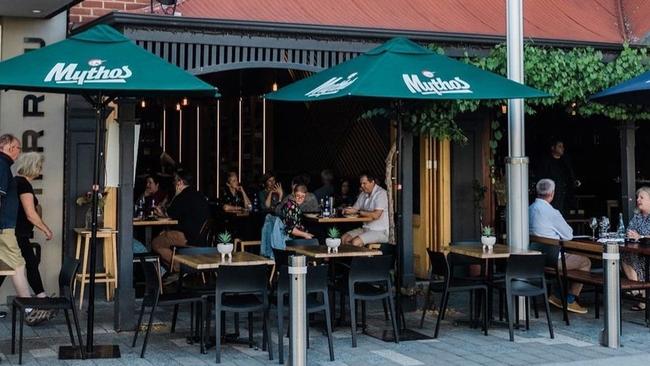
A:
99,60
633,91
401,69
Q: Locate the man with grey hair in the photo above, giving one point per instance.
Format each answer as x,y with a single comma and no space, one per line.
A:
547,222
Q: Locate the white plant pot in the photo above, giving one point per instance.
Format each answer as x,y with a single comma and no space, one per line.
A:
225,249
333,245
488,242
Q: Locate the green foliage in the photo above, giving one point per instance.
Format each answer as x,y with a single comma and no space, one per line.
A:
487,231
224,237
333,233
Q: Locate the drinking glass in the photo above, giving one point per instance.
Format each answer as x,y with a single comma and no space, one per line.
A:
604,226
593,224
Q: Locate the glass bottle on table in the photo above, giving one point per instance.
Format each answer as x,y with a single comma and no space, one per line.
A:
620,230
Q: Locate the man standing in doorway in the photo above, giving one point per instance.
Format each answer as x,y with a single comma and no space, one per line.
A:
555,166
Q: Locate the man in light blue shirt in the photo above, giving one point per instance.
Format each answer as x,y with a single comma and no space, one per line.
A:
547,222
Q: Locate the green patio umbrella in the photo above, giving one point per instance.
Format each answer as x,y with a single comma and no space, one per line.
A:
401,69
101,64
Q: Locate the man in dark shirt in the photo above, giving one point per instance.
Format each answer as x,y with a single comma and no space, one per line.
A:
556,167
191,210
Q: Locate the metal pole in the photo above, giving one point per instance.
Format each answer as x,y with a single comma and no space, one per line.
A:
516,162
628,169
298,319
611,335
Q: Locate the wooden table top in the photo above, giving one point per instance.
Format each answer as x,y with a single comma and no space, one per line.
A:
498,251
320,251
212,261
334,220
157,222
101,233
5,270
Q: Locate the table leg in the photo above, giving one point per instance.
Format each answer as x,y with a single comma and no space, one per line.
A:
490,275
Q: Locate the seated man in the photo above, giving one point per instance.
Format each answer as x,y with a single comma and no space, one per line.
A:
191,210
547,222
373,203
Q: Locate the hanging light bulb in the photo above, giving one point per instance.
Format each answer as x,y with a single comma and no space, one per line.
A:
143,103
274,87
185,102
178,106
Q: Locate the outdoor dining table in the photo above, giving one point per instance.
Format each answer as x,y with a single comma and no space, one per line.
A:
204,262
148,225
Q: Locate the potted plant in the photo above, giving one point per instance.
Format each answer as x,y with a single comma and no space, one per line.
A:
333,240
225,245
487,237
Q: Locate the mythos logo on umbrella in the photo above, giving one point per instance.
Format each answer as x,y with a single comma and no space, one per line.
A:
333,85
63,73
435,85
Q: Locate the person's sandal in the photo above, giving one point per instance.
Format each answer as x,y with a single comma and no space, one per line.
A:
36,317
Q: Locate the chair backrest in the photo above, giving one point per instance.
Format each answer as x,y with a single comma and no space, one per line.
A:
551,253
207,233
281,257
67,274
316,279
242,279
525,266
439,264
370,269
303,242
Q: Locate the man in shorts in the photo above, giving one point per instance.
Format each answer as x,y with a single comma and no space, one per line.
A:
372,203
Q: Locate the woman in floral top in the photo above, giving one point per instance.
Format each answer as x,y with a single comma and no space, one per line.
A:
292,214
639,228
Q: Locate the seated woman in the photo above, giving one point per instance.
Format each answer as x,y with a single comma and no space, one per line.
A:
288,225
639,227
271,194
345,197
153,195
233,197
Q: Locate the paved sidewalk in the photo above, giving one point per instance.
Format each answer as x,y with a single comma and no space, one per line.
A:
457,345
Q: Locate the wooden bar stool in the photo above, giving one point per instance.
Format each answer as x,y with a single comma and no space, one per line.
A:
109,276
243,244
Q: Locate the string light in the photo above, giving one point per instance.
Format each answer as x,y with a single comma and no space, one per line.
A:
274,87
185,102
143,103
178,106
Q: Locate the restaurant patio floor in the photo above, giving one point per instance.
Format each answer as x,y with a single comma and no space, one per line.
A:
457,345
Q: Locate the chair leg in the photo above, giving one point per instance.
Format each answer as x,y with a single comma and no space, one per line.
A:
280,310
427,304
511,315
174,317
444,306
383,303
202,320
471,309
548,315
501,304
597,303
353,318
146,335
363,315
250,330
485,312
527,313
328,325
267,332
217,327
13,328
67,322
20,337
75,319
441,311
137,327
393,318
534,299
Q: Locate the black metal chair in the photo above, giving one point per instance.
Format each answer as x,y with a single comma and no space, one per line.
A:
525,277
369,279
302,242
316,281
153,298
551,256
65,302
242,289
442,281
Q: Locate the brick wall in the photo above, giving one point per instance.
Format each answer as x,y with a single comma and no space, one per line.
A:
91,9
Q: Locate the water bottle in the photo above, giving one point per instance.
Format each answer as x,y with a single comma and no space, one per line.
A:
322,207
326,208
620,231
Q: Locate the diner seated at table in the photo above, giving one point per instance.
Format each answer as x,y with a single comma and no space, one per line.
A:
638,228
287,225
373,203
234,197
327,189
310,203
345,196
271,194
191,210
547,222
153,194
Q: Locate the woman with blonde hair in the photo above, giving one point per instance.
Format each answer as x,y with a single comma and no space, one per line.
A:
29,166
638,228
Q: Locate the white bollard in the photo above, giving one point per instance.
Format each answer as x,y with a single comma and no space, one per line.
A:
298,317
611,334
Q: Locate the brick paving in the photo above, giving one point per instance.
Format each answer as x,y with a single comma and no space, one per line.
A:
576,344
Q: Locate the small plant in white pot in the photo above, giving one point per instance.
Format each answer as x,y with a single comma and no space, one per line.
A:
225,245
333,240
487,237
